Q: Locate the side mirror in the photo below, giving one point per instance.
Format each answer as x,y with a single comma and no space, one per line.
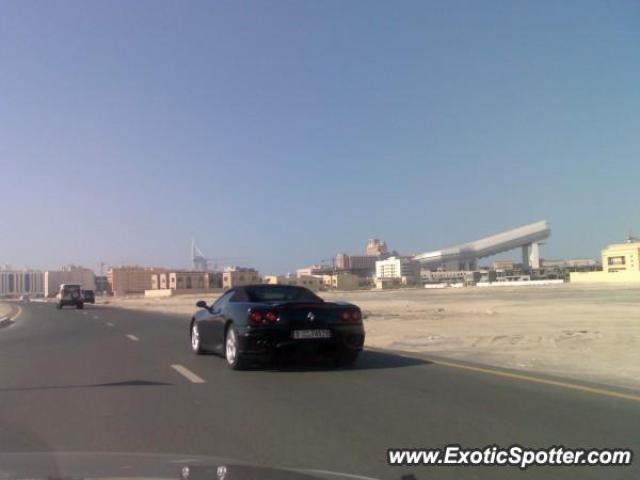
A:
201,304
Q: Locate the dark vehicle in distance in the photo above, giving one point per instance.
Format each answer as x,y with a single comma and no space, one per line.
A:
249,324
89,296
70,294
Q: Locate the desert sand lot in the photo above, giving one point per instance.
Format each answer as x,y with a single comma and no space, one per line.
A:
584,332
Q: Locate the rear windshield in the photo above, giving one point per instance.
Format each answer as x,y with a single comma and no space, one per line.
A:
282,293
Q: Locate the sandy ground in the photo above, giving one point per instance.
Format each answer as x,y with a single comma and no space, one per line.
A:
4,310
583,332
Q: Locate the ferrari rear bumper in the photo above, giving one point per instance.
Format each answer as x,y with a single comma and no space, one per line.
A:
264,343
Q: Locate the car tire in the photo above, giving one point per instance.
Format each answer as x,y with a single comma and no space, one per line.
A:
346,358
234,358
196,340
80,306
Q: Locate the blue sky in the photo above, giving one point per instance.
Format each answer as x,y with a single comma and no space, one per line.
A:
283,132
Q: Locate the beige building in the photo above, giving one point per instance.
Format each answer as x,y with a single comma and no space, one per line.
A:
159,281
364,264
314,270
126,280
377,247
68,274
307,281
388,282
183,282
620,264
310,282
341,281
503,265
237,277
188,281
584,263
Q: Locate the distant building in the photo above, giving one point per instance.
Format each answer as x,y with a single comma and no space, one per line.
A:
188,281
527,238
356,264
14,283
363,265
307,281
314,270
341,281
586,263
239,276
310,282
275,279
620,264
503,265
377,248
404,268
384,283
183,282
453,276
102,285
68,274
126,280
342,261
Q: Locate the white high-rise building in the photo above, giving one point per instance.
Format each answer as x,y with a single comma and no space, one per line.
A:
397,267
14,283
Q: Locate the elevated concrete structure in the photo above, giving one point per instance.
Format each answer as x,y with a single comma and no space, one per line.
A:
466,256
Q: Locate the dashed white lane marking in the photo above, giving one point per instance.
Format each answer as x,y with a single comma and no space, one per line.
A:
133,337
96,317
85,313
188,374
109,324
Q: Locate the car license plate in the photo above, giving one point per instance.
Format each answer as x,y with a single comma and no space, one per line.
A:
305,334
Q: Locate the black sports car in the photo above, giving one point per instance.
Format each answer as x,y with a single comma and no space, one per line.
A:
249,324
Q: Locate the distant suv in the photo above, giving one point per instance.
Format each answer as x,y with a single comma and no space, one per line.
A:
89,296
70,294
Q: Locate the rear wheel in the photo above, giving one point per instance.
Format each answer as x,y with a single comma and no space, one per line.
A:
196,341
80,306
234,358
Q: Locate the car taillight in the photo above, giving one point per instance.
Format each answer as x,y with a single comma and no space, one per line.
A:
353,316
255,317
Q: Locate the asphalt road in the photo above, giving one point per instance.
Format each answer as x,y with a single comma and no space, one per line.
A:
103,379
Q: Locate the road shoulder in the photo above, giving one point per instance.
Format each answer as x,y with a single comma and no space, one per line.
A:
8,314
613,391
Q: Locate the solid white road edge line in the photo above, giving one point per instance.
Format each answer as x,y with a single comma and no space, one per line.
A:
192,377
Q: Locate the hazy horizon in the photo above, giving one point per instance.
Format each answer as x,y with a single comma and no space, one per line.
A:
285,132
